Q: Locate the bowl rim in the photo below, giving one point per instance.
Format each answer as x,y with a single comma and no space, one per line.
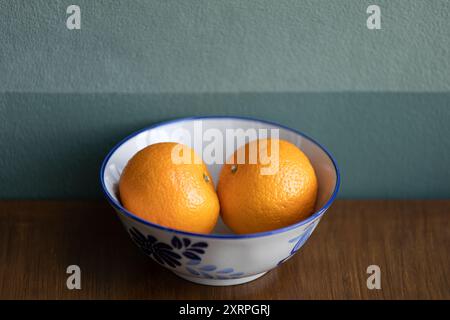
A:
118,206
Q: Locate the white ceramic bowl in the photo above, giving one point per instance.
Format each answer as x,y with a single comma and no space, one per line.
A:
219,258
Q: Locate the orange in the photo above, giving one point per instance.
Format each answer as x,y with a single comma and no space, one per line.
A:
176,195
251,202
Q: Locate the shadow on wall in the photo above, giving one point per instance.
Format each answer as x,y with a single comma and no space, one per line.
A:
387,145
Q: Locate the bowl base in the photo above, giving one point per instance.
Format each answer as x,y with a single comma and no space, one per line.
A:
220,282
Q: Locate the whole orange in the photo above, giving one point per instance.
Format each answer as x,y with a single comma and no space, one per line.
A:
177,195
251,201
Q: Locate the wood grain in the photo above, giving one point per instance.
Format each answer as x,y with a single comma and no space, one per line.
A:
409,240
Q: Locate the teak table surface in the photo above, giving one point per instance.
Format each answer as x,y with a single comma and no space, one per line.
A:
408,240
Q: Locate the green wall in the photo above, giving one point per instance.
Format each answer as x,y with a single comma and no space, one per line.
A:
379,100
151,46
393,145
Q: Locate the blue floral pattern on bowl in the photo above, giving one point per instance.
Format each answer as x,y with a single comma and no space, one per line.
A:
299,241
210,271
159,251
190,250
181,252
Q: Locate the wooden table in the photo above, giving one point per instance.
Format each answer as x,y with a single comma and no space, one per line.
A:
409,240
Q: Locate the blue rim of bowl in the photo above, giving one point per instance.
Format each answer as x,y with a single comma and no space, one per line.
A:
125,212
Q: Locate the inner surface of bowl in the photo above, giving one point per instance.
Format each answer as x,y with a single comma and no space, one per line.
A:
203,135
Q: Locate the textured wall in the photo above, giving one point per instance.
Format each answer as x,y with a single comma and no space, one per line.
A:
224,46
377,99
